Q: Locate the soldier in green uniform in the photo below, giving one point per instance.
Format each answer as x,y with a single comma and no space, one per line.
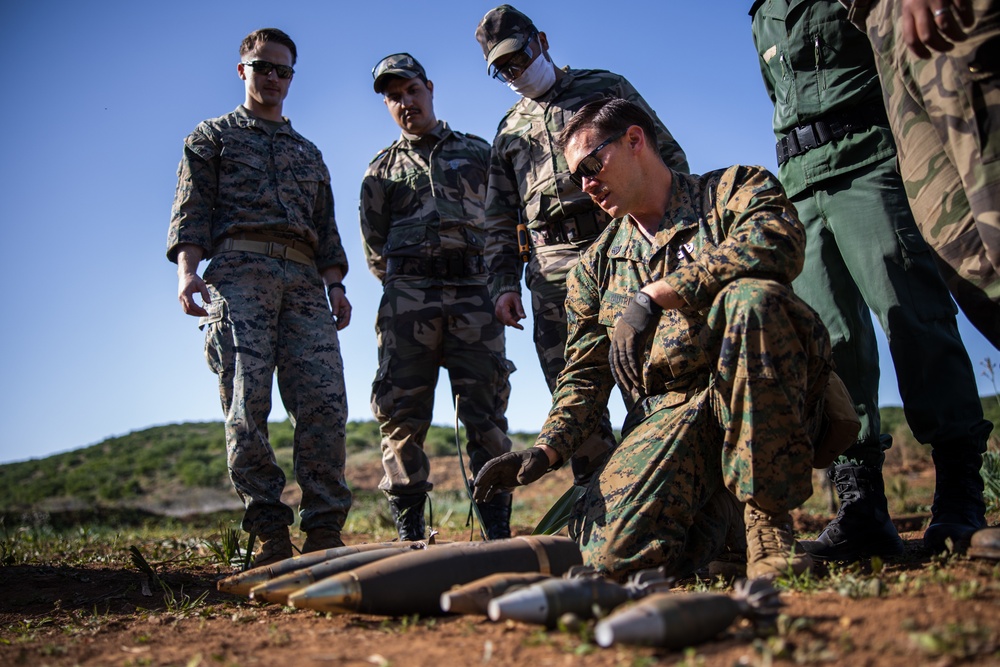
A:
684,301
837,163
939,62
422,202
254,196
529,185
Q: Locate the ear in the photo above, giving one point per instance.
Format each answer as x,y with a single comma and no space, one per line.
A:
241,72
543,41
636,139
430,87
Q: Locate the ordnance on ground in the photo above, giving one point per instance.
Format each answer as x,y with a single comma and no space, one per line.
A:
242,583
412,582
473,597
678,620
582,593
278,589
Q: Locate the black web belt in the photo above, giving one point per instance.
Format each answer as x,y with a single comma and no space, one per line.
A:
830,127
451,266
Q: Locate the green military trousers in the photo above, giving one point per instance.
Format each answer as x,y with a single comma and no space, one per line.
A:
863,250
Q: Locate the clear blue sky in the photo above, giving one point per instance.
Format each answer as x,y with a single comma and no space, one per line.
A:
101,95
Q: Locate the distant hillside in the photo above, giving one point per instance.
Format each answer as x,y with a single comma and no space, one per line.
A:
184,465
157,467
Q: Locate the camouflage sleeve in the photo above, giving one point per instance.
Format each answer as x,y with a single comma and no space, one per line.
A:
670,150
585,385
503,209
375,221
331,249
194,199
762,235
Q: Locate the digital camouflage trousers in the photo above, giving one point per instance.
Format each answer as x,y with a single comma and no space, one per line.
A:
665,497
268,314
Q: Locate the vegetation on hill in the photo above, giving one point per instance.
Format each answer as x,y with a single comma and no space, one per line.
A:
169,460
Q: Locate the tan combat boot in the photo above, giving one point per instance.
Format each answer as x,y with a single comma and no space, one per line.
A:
771,549
274,546
321,539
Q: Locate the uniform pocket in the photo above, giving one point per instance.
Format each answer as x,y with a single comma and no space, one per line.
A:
219,345
383,401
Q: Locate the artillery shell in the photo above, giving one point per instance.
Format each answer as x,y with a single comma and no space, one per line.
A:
277,590
240,584
412,582
669,620
545,602
473,597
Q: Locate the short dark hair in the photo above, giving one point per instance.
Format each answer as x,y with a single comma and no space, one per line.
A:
259,37
608,116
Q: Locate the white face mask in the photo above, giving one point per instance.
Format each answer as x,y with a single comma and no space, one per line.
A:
536,80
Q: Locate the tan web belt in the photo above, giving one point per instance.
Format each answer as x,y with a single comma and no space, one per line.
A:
275,249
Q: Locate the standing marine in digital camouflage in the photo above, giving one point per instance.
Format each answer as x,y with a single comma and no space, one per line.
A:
422,204
837,163
531,197
939,63
683,301
254,196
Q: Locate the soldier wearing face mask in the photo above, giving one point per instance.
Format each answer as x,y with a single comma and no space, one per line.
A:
537,219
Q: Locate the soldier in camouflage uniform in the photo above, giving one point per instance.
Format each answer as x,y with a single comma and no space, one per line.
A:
422,223
684,301
529,185
254,196
837,164
939,62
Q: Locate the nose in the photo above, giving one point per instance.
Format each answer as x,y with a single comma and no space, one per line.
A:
588,183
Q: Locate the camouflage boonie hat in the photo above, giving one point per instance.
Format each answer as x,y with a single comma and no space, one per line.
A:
402,65
503,30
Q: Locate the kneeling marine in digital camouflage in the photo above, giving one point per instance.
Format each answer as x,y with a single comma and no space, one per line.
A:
685,302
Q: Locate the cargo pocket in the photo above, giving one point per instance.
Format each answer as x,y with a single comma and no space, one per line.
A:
218,335
504,367
383,401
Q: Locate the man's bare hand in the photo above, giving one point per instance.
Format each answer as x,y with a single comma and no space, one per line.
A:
934,25
341,308
509,310
188,285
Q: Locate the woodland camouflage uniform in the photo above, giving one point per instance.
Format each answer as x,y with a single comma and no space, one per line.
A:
421,222
731,382
242,178
529,182
945,115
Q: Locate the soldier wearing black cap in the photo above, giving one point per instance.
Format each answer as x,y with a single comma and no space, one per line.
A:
422,203
530,186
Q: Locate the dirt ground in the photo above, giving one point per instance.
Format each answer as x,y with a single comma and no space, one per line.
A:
916,610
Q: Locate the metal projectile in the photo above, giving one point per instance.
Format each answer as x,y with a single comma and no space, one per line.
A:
584,594
278,589
412,582
242,583
473,597
678,620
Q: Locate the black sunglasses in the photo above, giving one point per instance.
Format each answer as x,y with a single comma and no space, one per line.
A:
591,165
515,65
265,68
395,61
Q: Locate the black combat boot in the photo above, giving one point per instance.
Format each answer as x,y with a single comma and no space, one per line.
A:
496,515
958,510
862,527
408,513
